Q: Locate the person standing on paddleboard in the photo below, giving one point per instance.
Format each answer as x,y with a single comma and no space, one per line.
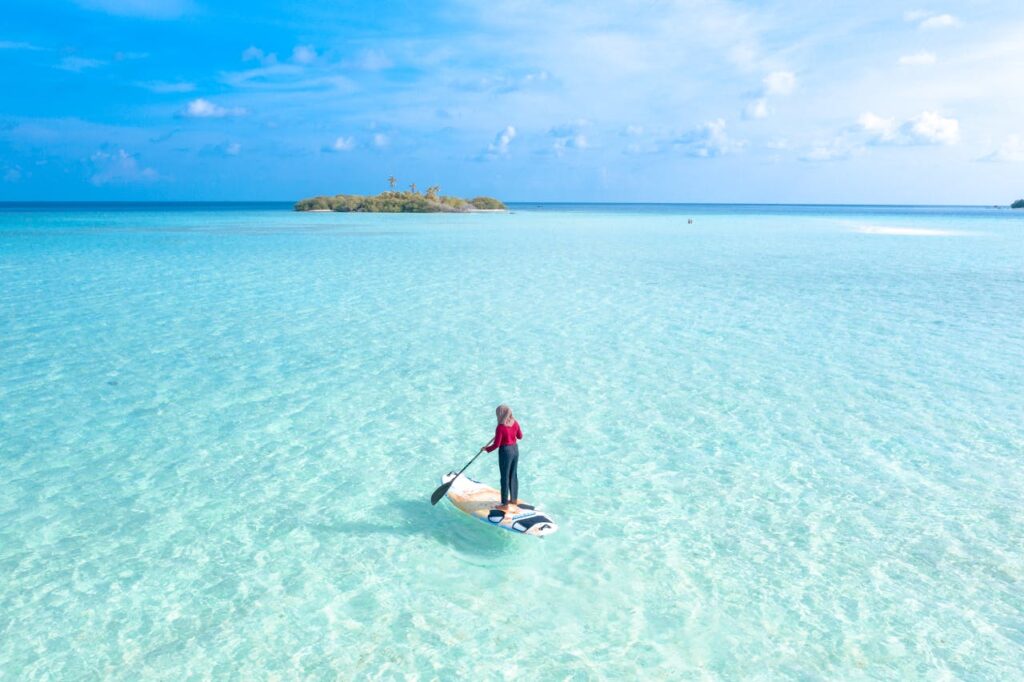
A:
506,435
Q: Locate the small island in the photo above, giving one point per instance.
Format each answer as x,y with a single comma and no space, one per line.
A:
393,201
1017,204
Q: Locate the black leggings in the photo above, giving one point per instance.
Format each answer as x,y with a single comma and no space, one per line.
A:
508,460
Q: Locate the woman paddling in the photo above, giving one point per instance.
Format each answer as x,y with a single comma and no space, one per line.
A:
505,436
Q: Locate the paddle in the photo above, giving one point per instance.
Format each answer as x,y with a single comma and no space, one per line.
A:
439,493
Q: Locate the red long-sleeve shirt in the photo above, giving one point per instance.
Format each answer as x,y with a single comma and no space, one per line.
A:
505,435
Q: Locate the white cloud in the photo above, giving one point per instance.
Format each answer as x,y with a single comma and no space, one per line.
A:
204,108
372,60
842,146
341,144
917,59
578,141
640,141
708,140
758,108
12,174
500,146
928,127
570,136
940,21
882,129
255,54
304,54
166,87
79,64
776,83
779,83
224,149
502,140
14,45
931,128
153,9
1012,150
380,140
118,167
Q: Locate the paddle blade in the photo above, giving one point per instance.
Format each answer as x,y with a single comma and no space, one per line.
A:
440,492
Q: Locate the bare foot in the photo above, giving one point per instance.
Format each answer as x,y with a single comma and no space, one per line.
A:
507,508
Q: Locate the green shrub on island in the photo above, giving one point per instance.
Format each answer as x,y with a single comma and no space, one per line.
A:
1017,204
487,204
398,202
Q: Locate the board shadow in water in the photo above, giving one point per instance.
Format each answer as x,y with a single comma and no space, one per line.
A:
410,517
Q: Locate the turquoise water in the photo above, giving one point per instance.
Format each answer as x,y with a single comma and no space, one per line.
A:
781,443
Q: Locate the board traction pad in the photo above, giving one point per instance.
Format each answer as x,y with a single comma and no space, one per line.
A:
478,500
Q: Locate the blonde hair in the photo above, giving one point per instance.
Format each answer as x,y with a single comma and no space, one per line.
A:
504,413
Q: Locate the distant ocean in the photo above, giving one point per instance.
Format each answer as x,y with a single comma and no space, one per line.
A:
782,442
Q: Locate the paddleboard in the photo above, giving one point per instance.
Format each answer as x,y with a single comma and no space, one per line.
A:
478,500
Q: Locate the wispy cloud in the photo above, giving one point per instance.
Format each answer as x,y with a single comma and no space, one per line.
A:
775,84
341,144
129,56
1011,151
151,9
304,54
928,127
708,140
569,136
118,167
371,60
923,58
780,83
503,83
288,78
163,87
204,108
79,64
253,53
940,21
835,150
757,108
17,45
380,140
223,149
163,137
930,20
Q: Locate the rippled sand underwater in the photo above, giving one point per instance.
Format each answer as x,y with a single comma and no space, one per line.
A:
781,443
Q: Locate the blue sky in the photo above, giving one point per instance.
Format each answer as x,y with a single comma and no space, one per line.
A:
834,102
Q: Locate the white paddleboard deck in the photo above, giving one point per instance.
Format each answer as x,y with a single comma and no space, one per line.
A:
479,501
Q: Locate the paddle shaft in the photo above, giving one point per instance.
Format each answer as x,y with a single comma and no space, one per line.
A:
439,493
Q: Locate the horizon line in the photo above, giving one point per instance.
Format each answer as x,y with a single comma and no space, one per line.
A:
129,202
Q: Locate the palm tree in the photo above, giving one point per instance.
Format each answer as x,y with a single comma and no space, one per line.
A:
412,188
432,192
391,181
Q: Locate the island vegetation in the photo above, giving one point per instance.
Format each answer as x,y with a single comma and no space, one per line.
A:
1017,204
392,201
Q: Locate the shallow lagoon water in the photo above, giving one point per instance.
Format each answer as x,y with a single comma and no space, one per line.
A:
781,442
